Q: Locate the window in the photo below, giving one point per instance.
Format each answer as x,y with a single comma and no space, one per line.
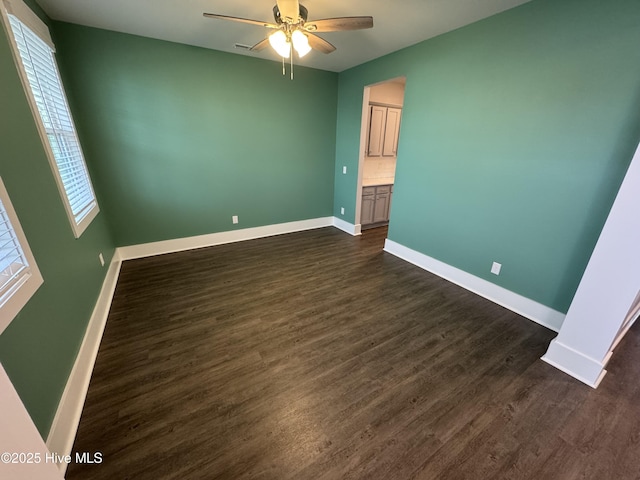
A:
19,274
34,49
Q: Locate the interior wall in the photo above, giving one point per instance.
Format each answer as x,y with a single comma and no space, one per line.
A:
39,347
516,133
182,138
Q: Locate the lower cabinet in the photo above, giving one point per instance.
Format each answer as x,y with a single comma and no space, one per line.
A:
375,204
368,202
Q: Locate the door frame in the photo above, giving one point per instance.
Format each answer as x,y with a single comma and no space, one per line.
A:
364,129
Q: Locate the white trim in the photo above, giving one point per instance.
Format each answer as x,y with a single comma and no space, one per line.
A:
350,228
624,331
188,243
67,419
19,435
526,307
81,226
364,140
22,12
65,423
25,15
587,370
22,292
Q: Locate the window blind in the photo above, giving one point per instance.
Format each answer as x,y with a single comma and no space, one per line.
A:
19,274
46,86
14,268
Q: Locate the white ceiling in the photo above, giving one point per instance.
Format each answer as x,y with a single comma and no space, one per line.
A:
397,24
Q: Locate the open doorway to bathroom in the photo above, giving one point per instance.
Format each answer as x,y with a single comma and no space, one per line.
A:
380,132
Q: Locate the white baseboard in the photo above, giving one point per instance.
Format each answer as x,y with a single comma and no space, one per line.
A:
586,369
350,228
65,423
67,419
624,331
526,307
188,243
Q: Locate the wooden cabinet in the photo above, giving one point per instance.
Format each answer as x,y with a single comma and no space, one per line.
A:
381,207
368,201
377,121
384,130
391,132
375,204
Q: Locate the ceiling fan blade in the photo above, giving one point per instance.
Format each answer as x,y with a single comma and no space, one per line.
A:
320,44
241,20
337,24
289,10
261,45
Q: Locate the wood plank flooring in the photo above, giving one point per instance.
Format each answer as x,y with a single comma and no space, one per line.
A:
315,355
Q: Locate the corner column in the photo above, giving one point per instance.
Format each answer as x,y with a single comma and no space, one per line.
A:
610,284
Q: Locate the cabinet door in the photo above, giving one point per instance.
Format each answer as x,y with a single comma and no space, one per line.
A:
366,213
391,132
377,119
381,208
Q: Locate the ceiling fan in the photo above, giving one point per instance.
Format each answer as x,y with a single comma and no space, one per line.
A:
292,31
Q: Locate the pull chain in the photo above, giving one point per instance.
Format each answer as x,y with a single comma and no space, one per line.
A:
284,70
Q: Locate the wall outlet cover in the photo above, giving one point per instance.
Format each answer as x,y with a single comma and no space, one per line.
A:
495,268
234,219
341,210
344,170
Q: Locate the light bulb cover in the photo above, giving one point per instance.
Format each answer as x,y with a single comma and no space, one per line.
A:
280,43
300,43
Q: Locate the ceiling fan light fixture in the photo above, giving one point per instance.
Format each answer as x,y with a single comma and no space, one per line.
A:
291,31
280,43
300,43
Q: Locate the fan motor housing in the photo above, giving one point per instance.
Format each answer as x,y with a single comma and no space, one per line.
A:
301,19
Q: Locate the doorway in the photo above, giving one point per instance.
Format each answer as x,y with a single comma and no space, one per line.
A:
379,134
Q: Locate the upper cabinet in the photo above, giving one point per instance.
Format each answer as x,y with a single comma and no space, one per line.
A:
384,128
391,131
378,118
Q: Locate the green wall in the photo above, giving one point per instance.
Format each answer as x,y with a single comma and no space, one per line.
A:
516,134
182,138
39,347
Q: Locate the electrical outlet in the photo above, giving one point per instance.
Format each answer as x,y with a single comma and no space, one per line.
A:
495,268
234,219
101,259
344,170
341,210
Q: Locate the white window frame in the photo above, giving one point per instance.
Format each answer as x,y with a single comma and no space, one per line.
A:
30,279
25,15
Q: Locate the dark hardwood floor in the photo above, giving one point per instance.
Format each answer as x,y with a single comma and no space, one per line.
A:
315,355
